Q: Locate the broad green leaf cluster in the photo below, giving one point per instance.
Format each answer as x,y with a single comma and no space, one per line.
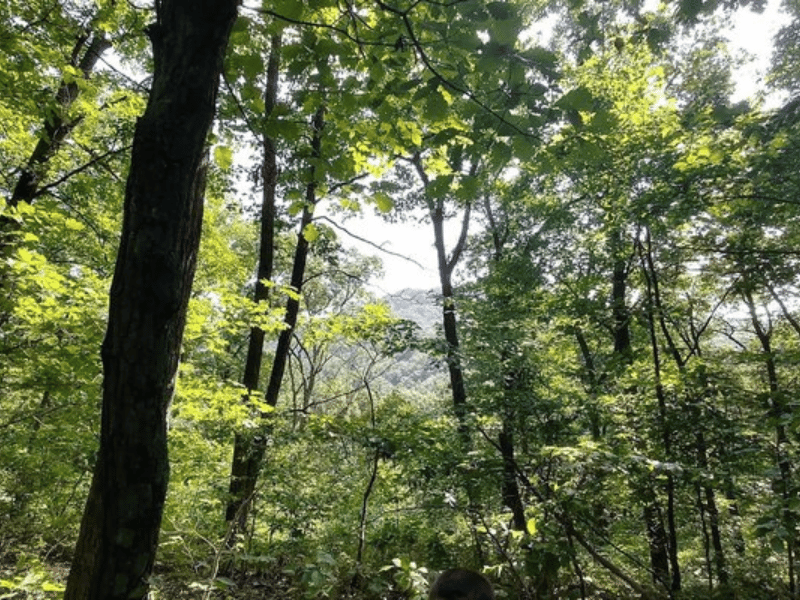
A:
617,245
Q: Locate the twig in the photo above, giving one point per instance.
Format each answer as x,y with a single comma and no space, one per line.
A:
368,242
42,190
471,96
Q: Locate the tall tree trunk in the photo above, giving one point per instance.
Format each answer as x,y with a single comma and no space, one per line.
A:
778,411
732,500
511,493
592,384
710,494
57,124
298,267
254,456
666,438
149,295
55,129
706,494
663,416
244,472
657,539
362,520
510,489
449,321
619,309
720,564
651,512
446,266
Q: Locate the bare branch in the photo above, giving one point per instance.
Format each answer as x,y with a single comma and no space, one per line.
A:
368,242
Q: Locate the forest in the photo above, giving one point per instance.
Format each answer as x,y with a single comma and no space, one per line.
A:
204,394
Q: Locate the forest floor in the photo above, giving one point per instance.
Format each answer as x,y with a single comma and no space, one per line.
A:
47,580
32,579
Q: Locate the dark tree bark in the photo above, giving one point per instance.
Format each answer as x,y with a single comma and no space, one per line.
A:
707,501
254,456
244,472
619,310
623,349
653,304
779,409
446,267
55,129
512,497
656,538
149,295
375,462
510,489
449,321
57,124
592,383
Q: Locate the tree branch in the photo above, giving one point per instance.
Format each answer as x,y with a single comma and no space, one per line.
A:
46,188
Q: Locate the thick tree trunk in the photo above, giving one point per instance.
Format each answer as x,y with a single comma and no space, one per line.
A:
510,488
149,295
244,471
619,311
720,564
449,322
657,541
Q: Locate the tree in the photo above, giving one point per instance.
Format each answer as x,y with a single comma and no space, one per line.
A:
627,328
246,454
148,300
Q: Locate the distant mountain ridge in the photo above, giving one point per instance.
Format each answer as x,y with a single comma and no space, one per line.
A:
420,306
412,369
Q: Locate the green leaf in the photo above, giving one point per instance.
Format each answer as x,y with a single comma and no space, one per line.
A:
310,232
223,156
581,99
531,526
502,11
506,33
384,203
224,583
604,121
74,225
440,186
524,148
468,188
291,9
435,106
252,65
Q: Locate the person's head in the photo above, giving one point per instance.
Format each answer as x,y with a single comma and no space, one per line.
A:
461,584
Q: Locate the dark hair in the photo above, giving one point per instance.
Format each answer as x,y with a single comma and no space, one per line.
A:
461,584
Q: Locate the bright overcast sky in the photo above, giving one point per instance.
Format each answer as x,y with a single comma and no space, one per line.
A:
753,33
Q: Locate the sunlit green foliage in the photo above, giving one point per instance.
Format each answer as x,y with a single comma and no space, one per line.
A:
617,190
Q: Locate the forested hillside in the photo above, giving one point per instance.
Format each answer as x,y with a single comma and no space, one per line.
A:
201,398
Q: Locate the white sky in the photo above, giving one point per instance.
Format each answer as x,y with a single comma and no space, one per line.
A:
412,240
752,33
